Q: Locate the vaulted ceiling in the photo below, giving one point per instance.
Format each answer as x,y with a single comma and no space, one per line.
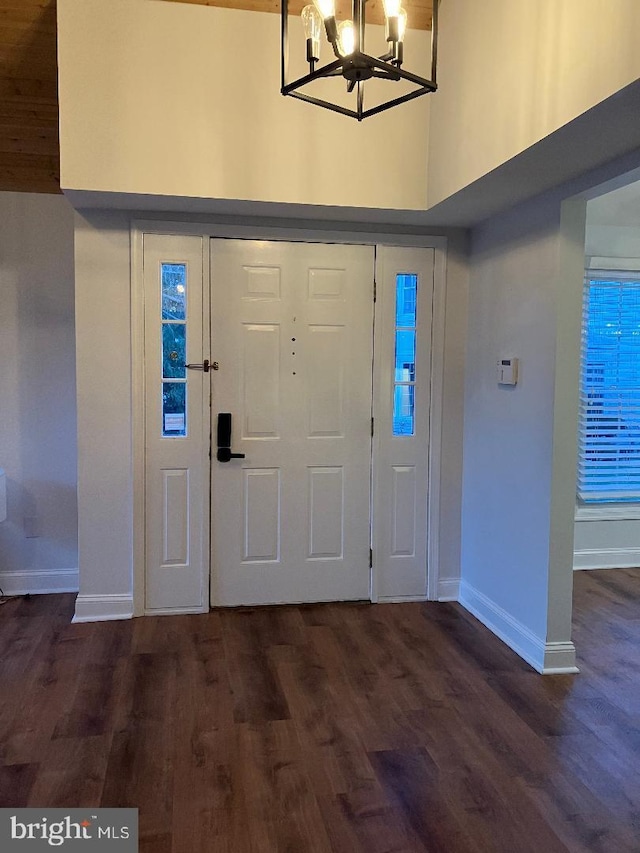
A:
29,147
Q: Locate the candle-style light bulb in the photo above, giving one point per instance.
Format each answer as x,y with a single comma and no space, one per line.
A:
398,42
392,13
402,23
327,8
312,24
346,38
392,8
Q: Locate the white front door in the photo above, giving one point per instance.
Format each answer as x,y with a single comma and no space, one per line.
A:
292,336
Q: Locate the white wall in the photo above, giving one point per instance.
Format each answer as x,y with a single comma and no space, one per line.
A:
607,543
516,521
38,541
613,232
455,351
104,375
184,100
613,241
104,382
511,73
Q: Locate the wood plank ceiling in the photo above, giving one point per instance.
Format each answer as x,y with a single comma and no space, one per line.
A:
29,150
29,146
419,11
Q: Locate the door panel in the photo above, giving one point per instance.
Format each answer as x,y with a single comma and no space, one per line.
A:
261,522
403,510
326,513
291,328
176,432
260,380
402,408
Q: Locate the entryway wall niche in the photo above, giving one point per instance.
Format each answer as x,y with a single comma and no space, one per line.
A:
109,314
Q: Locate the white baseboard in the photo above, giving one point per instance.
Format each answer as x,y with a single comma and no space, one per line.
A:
546,658
448,589
103,608
613,558
176,611
399,599
559,659
39,582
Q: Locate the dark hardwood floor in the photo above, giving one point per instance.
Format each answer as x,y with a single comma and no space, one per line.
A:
342,727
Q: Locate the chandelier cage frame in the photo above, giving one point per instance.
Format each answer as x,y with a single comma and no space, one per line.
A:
356,68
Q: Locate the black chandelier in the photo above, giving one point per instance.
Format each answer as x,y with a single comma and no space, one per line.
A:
351,63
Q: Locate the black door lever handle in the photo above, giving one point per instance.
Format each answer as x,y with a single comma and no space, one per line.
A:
224,454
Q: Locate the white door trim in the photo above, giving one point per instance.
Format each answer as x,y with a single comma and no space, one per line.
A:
290,233
138,420
435,421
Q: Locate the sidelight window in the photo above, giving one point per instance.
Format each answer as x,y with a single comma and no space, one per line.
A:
405,354
173,278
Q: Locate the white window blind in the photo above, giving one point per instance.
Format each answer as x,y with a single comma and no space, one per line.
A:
609,441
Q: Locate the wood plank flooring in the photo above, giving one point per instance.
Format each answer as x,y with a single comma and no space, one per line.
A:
339,727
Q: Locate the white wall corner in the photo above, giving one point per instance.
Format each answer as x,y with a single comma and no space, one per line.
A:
39,582
103,608
612,558
545,658
448,589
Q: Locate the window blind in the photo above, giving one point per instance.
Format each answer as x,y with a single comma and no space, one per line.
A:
609,439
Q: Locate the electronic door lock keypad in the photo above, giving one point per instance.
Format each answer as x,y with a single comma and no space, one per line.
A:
224,453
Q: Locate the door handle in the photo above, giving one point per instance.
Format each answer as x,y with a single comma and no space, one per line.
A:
224,453
204,366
